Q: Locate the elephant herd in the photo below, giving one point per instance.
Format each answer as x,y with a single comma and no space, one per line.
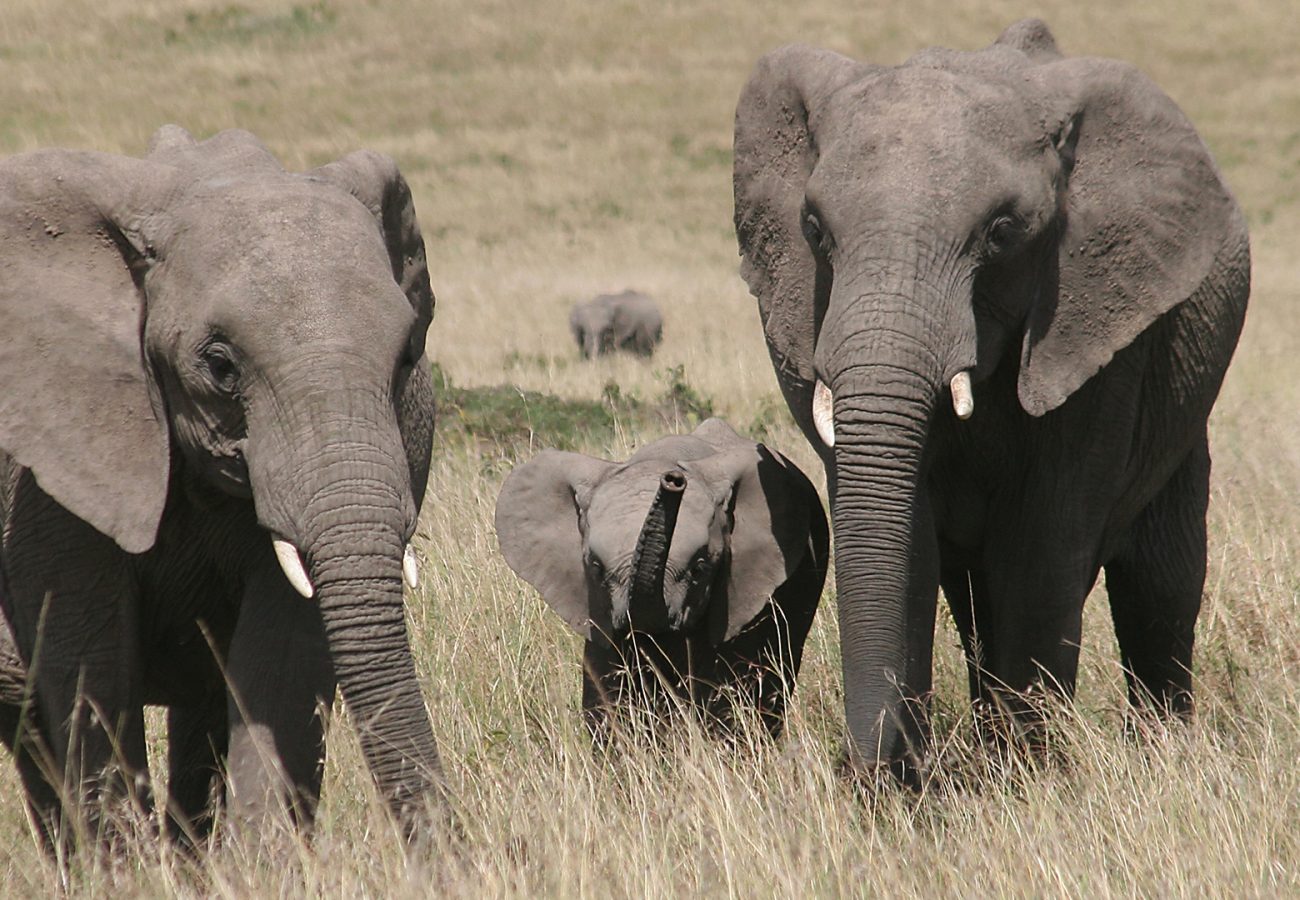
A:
1000,290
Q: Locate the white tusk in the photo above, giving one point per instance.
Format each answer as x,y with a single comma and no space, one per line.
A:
963,401
410,570
823,410
291,562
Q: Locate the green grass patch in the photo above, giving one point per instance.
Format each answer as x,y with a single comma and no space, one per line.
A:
240,24
509,422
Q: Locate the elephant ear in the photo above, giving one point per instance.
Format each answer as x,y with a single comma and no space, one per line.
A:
719,435
1031,37
774,515
775,152
77,405
537,527
1147,218
375,181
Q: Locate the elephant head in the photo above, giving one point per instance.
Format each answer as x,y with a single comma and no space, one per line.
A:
592,325
202,313
692,532
908,230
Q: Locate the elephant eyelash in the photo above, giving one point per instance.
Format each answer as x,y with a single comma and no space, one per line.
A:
218,363
1003,232
812,229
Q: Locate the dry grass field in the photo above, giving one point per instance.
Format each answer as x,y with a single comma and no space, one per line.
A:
561,148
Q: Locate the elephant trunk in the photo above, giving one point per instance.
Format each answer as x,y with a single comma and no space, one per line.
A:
331,479
886,360
591,343
646,606
356,566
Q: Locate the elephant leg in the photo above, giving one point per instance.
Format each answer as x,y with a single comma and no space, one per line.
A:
604,675
665,674
197,737
72,598
1036,593
281,686
765,659
20,732
968,599
1155,586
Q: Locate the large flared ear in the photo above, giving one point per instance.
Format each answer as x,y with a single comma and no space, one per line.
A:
1147,219
77,404
775,514
775,152
375,181
537,528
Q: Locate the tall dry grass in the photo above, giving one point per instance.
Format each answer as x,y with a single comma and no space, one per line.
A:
557,149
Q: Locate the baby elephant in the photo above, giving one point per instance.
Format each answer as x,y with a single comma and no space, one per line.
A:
696,565
627,321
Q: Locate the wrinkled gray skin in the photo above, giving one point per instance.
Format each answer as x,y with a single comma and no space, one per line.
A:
1056,228
702,557
627,321
183,382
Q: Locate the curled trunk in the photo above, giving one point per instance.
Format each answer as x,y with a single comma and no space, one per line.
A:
651,555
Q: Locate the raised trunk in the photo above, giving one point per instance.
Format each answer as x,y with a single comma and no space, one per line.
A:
651,554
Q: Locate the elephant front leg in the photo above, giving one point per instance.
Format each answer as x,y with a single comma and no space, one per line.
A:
72,599
604,675
967,594
1036,587
197,740
20,732
281,686
1155,586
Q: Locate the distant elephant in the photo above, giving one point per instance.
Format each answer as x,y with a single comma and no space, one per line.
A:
698,563
1039,241
215,430
627,321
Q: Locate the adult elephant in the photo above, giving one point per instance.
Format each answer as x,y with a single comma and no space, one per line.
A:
215,421
1000,290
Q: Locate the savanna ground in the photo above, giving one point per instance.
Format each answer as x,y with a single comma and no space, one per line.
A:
559,149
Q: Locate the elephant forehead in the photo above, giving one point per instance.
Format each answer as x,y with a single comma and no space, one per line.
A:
302,260
919,113
919,139
283,225
619,506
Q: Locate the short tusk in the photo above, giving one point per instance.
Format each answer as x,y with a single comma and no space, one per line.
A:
410,571
823,410
963,401
291,562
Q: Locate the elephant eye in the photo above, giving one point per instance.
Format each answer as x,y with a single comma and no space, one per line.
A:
1003,232
812,230
218,362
